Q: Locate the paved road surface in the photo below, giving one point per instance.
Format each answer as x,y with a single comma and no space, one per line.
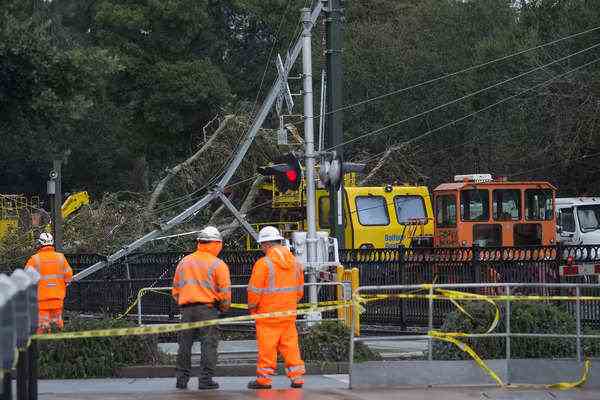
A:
327,387
236,350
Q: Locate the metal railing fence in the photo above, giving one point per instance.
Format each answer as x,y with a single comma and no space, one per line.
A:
571,293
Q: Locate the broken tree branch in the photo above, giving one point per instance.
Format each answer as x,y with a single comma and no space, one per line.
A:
182,167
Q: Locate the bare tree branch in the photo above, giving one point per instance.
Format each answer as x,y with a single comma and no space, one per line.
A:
182,167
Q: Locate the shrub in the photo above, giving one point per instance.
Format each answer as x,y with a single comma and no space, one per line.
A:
330,342
525,318
94,357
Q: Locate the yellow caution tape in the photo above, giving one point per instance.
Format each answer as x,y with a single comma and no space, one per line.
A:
451,337
467,349
168,328
239,306
572,385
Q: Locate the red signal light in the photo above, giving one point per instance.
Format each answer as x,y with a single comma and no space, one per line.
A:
291,175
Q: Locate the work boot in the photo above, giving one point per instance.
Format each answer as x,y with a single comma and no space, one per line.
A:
181,383
255,385
297,383
207,384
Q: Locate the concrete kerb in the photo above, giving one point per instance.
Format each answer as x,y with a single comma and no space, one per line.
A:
167,371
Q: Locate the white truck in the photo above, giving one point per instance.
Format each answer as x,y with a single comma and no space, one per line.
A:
577,224
578,220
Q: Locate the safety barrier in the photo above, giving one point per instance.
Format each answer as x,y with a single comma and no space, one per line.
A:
19,320
477,371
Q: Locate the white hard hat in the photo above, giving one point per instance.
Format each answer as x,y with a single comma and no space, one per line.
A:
209,234
269,234
45,239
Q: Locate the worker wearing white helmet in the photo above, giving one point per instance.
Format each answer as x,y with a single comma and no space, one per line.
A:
276,284
202,288
55,273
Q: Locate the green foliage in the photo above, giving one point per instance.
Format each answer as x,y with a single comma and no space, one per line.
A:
94,357
525,318
128,85
330,342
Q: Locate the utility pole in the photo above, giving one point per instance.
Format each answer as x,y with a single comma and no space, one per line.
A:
309,153
57,209
334,121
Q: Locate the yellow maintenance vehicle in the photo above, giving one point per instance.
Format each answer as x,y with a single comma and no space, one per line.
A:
74,202
17,212
374,216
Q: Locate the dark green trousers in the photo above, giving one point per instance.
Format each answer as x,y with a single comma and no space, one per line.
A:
209,337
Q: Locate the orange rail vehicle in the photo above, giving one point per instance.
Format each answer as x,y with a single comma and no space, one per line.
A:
475,209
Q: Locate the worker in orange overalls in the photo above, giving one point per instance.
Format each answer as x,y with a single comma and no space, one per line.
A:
202,288
55,274
276,284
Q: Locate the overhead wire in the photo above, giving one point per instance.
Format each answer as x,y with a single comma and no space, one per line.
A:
459,99
462,71
567,162
472,114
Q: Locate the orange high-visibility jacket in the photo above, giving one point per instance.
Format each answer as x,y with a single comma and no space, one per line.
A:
277,282
55,272
201,277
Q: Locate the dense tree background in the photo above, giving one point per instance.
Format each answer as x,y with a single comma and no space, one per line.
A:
127,86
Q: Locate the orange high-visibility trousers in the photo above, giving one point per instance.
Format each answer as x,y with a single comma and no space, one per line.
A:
278,336
49,318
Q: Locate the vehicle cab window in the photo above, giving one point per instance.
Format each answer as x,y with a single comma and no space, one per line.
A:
487,235
538,204
589,217
445,211
474,205
372,210
507,204
527,235
410,209
566,220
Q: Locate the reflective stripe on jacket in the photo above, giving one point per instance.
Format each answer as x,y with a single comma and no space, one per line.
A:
55,272
277,282
202,278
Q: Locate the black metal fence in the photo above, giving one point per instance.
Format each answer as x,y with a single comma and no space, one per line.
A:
115,287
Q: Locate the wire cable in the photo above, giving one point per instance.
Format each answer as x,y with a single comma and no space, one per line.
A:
459,99
450,75
568,162
470,115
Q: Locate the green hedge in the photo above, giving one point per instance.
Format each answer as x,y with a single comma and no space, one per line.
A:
330,342
95,357
525,318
